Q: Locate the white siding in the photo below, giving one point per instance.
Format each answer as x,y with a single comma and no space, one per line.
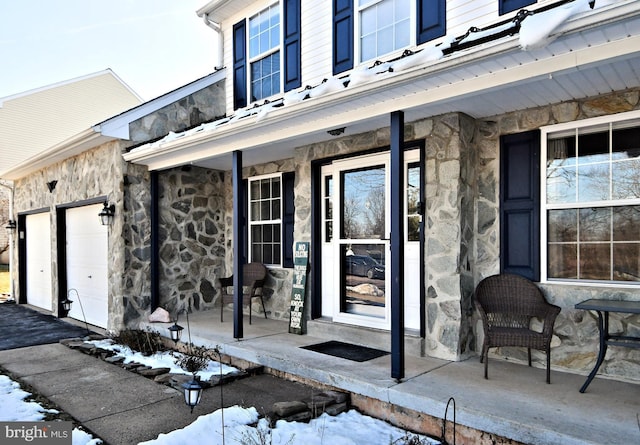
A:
316,41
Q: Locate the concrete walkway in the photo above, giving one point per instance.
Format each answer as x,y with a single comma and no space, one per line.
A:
515,403
122,407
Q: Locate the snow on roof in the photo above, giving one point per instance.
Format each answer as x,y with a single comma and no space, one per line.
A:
535,29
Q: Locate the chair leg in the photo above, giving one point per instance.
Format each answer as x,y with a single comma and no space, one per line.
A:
548,366
529,352
263,308
221,309
249,310
486,363
484,345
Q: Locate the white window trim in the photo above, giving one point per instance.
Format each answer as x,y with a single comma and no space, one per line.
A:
356,29
251,223
278,48
568,126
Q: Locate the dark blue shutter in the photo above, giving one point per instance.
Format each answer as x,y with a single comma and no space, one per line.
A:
512,5
432,20
520,204
292,69
240,65
288,214
342,35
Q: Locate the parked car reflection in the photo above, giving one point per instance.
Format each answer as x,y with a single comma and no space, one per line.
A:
363,266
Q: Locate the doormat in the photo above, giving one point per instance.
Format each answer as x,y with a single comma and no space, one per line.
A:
347,351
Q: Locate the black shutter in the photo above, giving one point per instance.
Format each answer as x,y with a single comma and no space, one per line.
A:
240,65
520,204
511,5
288,214
432,21
292,69
342,35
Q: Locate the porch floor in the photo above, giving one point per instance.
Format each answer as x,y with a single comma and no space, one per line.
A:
515,402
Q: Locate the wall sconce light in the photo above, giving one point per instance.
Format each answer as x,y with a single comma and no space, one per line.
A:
11,225
107,213
337,131
51,185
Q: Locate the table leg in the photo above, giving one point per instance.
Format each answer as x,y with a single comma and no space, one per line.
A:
603,329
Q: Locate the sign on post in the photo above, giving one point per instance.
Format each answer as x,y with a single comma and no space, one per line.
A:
298,289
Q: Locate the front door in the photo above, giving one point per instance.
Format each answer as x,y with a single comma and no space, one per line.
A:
355,249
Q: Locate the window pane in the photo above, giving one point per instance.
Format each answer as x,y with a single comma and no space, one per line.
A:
593,182
595,261
255,211
265,208
363,212
561,185
563,261
562,225
275,209
626,262
256,253
265,189
267,232
275,188
384,27
595,224
625,179
256,234
593,147
561,152
626,224
413,228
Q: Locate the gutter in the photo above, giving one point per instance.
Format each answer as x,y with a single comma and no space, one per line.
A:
218,30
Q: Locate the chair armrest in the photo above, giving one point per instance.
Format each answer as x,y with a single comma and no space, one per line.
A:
226,281
550,318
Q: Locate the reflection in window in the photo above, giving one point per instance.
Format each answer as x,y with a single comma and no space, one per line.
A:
384,27
363,203
413,202
363,279
328,208
593,196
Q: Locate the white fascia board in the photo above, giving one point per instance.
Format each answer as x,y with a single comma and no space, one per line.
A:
71,147
118,126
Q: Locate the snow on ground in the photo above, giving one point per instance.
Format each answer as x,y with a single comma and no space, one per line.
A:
14,408
348,428
161,360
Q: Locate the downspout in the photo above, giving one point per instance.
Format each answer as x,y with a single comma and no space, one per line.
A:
218,29
11,237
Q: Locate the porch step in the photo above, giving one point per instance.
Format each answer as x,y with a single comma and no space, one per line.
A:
325,328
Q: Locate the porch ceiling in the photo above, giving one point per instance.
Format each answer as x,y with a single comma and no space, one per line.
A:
593,56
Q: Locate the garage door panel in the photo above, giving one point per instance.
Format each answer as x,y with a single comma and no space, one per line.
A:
38,249
87,269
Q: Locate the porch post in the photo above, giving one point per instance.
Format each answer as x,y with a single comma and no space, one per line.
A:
238,242
155,243
397,245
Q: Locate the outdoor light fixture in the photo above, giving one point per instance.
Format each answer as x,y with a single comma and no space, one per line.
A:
66,305
192,393
51,185
11,225
106,214
175,331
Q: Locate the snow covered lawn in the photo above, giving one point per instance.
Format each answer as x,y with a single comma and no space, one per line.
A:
14,408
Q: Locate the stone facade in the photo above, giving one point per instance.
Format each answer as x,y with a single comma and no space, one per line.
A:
5,193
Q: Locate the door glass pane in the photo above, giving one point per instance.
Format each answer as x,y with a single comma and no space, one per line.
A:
363,203
363,284
413,202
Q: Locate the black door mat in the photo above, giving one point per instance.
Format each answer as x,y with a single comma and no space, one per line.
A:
347,351
22,327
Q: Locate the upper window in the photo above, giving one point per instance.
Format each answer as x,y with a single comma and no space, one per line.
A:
593,200
384,27
264,53
507,6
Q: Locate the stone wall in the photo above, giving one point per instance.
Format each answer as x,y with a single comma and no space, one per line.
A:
202,106
4,220
575,343
94,173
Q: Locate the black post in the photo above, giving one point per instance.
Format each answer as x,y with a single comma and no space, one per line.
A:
397,245
155,244
238,242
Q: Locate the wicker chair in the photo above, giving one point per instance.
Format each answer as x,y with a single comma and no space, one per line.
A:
253,278
507,303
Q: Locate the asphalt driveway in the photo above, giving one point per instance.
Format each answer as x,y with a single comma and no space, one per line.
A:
21,326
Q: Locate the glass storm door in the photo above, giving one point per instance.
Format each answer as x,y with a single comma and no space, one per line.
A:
355,234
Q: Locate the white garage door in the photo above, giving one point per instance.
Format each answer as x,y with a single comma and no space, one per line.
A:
87,244
39,260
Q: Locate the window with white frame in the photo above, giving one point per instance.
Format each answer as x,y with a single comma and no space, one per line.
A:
264,52
265,219
592,199
384,26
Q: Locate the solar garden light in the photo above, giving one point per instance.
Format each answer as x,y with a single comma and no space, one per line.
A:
192,393
175,331
66,305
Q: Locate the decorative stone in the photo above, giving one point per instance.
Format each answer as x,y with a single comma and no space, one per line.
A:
160,315
337,408
153,372
285,409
